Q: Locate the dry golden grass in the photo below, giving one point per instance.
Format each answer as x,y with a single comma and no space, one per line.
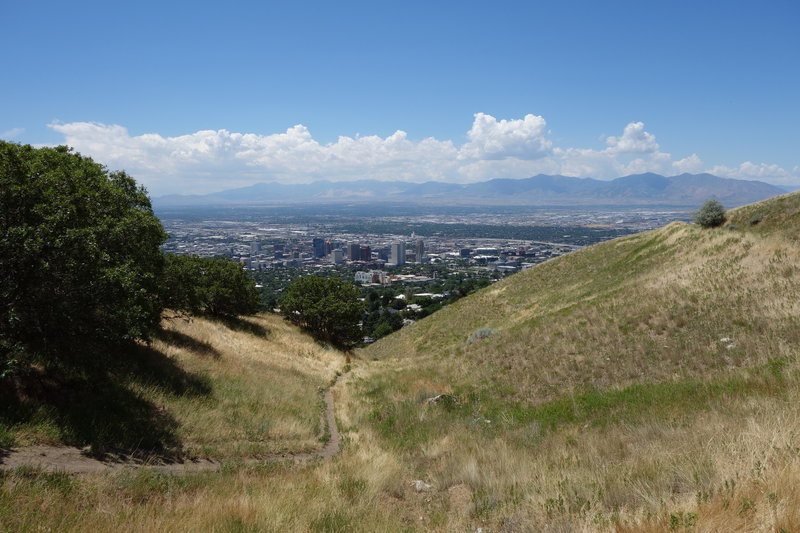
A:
640,311
346,494
265,386
644,308
207,388
732,467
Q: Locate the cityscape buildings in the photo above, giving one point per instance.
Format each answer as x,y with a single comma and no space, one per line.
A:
319,243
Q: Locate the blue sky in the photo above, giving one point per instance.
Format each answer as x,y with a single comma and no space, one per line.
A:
196,97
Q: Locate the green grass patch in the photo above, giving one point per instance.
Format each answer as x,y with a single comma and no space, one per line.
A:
7,439
649,400
40,480
333,521
412,422
630,403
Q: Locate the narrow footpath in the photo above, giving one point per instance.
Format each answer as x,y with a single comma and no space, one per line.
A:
72,460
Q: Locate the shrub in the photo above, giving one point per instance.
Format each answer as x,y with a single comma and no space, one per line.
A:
710,215
482,333
755,219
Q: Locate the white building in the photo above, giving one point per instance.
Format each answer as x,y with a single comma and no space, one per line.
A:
372,276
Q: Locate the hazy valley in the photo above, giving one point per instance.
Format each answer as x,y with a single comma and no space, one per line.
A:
685,190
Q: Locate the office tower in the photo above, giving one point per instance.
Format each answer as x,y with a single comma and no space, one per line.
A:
397,253
365,253
255,247
420,250
353,251
319,247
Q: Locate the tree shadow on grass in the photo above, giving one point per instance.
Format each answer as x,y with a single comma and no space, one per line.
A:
182,340
146,366
98,404
240,324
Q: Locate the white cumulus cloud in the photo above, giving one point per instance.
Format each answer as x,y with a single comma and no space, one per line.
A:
761,172
212,160
490,138
634,140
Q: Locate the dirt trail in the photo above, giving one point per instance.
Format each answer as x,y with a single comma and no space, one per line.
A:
72,460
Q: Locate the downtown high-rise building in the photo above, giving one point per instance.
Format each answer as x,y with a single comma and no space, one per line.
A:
397,253
354,251
319,247
419,249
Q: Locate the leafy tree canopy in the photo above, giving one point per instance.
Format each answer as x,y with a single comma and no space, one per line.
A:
328,308
210,286
79,252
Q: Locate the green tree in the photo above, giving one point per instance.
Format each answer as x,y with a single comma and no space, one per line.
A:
327,308
213,286
710,215
388,323
79,252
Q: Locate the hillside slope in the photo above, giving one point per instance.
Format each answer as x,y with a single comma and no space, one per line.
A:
204,388
643,308
645,383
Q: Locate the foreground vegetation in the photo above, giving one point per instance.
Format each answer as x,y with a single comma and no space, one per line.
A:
82,278
649,383
205,388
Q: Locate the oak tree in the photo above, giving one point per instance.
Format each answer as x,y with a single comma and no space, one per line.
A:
79,252
328,308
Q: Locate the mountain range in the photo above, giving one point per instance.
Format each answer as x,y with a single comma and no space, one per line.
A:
545,190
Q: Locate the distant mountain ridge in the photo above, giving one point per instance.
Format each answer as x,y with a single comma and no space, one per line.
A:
544,190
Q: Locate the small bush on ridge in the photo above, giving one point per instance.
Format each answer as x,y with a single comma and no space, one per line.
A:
710,215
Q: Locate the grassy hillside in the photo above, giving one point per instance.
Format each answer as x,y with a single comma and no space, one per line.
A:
203,388
633,382
649,383
644,308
